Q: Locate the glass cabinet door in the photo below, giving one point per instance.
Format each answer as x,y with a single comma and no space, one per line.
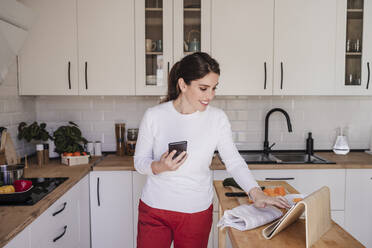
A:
191,26
354,46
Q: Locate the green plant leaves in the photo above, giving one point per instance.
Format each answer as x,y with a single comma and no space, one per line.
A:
33,132
68,139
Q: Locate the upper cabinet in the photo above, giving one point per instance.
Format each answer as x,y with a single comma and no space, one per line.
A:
79,47
166,31
354,47
242,42
304,47
284,47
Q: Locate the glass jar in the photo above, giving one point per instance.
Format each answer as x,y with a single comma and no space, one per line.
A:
132,136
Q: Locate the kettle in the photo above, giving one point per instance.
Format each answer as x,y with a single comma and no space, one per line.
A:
194,45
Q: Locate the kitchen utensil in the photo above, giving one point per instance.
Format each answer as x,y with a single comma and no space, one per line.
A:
120,133
10,173
150,45
7,150
192,44
341,146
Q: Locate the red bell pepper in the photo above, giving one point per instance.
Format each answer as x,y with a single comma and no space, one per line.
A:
22,185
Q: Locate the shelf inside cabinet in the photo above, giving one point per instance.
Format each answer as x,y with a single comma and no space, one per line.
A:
355,13
154,9
154,53
192,9
353,54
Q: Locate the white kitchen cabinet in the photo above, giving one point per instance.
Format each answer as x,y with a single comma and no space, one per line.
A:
84,213
139,181
111,205
106,47
79,47
22,240
294,39
242,42
338,216
353,65
58,226
48,60
305,47
174,25
358,202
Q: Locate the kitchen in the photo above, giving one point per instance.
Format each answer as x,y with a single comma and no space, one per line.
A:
61,74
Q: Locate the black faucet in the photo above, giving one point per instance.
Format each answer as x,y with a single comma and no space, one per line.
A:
266,147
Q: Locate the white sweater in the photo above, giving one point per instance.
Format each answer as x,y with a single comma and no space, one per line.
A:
188,189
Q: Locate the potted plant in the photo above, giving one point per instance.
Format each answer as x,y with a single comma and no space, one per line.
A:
69,144
34,132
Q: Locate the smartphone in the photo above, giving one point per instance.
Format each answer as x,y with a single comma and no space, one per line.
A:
179,146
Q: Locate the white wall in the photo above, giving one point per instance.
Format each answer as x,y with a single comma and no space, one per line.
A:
15,109
320,115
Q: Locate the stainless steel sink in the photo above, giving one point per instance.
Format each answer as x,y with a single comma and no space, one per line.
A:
282,158
299,158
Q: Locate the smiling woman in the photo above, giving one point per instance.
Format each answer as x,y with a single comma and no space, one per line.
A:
176,201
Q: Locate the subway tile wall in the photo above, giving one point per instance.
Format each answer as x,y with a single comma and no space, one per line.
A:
320,115
15,109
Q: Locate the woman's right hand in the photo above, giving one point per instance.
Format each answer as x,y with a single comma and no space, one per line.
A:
166,162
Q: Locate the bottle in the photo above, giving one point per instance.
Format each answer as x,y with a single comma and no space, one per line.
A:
120,133
310,144
46,153
40,154
97,148
131,140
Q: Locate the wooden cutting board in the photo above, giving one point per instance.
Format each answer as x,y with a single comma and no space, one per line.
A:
8,154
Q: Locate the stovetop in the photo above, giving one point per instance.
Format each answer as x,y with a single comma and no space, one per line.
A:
41,187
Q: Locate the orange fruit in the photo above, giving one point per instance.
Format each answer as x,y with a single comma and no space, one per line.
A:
295,200
84,153
76,154
68,154
269,191
280,190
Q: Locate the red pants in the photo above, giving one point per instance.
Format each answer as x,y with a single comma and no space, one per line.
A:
157,228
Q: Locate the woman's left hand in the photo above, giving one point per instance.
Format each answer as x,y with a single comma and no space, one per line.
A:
261,200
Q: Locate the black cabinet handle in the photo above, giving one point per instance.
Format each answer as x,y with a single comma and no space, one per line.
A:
69,75
86,75
369,74
265,76
98,200
236,194
168,69
279,178
60,236
281,75
63,208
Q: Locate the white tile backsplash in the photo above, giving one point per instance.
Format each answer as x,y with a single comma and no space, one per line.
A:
317,114
15,109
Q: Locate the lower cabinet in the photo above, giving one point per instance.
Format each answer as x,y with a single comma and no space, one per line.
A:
358,202
111,206
64,224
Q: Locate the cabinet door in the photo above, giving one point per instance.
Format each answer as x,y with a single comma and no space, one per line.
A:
304,47
367,46
111,209
154,45
290,176
358,214
242,42
312,180
84,213
106,47
139,181
48,59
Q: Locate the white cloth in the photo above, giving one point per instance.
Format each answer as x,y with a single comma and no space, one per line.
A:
188,189
246,217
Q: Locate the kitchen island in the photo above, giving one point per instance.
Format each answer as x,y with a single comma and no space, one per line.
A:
293,236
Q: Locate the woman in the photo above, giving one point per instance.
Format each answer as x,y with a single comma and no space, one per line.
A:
176,202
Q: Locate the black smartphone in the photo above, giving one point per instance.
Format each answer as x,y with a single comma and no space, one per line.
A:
179,146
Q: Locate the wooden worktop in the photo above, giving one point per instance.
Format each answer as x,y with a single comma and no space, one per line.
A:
291,237
113,162
14,219
353,160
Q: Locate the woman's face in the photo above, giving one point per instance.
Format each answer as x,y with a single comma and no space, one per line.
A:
200,92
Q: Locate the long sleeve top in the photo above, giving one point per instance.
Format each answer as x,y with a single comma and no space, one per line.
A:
188,189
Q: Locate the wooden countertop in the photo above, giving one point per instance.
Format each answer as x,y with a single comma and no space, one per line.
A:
19,217
293,236
353,160
113,162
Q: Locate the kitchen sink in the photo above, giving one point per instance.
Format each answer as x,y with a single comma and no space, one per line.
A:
282,158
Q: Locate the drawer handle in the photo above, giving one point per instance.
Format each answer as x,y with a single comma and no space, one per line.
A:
279,178
69,75
98,200
63,208
265,76
60,236
281,75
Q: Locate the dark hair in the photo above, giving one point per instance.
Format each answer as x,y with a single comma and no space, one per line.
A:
191,67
